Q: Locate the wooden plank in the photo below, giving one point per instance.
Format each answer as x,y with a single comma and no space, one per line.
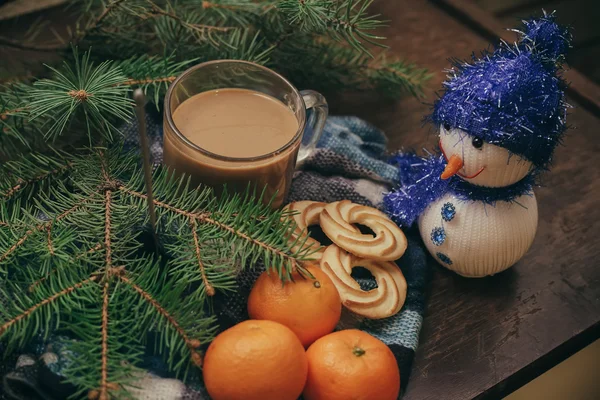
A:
498,7
16,8
15,62
588,62
582,15
581,88
485,337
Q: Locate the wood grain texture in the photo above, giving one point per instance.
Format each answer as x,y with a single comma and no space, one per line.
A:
582,15
21,7
586,92
486,337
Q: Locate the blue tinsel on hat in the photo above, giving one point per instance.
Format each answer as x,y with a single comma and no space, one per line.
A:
513,97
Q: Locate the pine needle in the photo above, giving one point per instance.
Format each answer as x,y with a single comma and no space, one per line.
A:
108,296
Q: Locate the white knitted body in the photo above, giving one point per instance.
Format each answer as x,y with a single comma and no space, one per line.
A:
480,239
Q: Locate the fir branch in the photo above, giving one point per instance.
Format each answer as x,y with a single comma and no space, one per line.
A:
38,228
103,392
87,252
237,6
92,92
161,204
17,132
202,32
294,263
204,218
210,290
42,279
351,23
38,166
153,74
107,230
285,263
123,350
15,111
96,22
201,29
31,310
133,293
100,90
345,20
192,344
147,81
308,15
239,44
244,13
49,240
56,270
342,68
248,30
395,76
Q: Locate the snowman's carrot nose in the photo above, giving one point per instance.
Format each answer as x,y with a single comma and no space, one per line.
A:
454,165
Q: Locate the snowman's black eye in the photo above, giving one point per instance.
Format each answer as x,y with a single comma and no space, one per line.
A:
446,126
477,143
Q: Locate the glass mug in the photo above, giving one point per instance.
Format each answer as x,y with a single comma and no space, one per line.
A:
272,171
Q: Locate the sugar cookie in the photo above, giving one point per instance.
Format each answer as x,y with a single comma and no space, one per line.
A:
307,214
382,302
388,244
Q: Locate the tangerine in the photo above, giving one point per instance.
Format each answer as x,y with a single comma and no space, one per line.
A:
351,364
311,307
255,360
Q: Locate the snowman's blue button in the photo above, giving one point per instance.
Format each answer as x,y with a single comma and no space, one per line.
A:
438,235
448,212
444,258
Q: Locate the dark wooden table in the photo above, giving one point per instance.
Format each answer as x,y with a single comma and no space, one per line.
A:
487,337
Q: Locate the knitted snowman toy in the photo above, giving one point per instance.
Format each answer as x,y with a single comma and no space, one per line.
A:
500,119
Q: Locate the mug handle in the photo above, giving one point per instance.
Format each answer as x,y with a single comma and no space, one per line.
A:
314,124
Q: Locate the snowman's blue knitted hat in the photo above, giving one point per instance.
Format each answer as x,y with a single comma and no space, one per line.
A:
513,97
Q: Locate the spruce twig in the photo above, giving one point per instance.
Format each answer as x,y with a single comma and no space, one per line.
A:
148,81
192,344
31,310
205,218
49,240
21,183
97,284
201,29
96,22
210,290
55,270
107,232
103,392
38,228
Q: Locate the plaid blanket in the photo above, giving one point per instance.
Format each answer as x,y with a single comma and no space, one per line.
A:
350,163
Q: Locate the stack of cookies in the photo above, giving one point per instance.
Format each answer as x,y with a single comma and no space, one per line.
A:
351,248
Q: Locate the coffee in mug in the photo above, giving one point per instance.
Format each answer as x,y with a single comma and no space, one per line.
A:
235,123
